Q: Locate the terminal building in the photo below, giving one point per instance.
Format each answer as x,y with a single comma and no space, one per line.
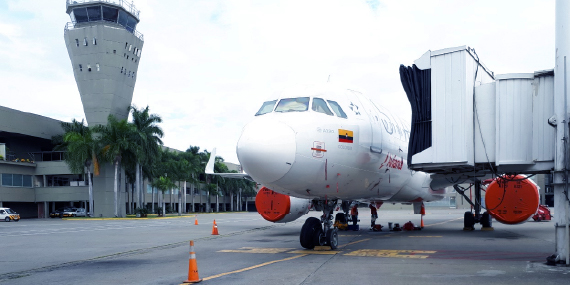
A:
35,180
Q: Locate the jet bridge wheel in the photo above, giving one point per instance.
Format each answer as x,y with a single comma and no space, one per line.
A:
311,233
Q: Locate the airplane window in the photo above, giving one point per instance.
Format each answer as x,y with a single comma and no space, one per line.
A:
319,105
337,109
293,105
267,107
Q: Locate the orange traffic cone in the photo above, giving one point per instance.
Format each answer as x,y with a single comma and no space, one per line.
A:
192,266
422,223
215,229
196,221
422,212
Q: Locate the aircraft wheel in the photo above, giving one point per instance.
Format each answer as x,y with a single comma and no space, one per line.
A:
468,220
332,238
310,229
486,220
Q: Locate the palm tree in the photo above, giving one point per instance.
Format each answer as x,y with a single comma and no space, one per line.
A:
163,184
117,139
81,153
75,126
148,137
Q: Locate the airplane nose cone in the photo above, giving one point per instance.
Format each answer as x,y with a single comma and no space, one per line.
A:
266,150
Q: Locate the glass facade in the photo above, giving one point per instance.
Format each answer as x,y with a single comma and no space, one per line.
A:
105,13
16,180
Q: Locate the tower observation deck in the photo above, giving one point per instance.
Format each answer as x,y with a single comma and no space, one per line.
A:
105,50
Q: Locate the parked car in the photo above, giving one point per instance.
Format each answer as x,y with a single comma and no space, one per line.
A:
8,214
61,212
80,212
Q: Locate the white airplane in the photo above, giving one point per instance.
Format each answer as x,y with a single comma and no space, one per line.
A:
313,146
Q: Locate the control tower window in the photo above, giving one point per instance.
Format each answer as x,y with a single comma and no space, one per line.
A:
94,13
97,66
77,42
110,14
319,105
85,42
94,41
80,67
130,47
267,107
80,15
300,104
337,109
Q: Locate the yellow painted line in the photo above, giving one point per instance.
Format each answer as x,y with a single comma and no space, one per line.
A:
425,236
353,242
443,222
308,251
252,267
391,253
257,250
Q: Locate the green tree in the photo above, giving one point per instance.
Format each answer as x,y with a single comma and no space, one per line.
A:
82,149
117,139
148,136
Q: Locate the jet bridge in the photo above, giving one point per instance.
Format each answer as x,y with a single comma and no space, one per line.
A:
468,123
477,122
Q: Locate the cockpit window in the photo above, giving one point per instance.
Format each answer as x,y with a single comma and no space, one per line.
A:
319,105
337,109
293,105
267,107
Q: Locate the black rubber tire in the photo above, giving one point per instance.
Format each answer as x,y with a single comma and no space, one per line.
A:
7,219
17,220
486,221
332,238
468,220
308,232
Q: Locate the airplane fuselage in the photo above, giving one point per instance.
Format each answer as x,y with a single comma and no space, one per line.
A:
328,143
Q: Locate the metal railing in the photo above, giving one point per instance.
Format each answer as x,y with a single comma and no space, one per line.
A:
47,156
74,25
130,7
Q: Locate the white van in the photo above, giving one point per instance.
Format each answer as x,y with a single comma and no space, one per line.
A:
8,214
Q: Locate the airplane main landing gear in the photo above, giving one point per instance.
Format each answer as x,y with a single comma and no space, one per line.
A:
313,234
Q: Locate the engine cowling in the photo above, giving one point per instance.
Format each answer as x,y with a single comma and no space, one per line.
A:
280,208
512,200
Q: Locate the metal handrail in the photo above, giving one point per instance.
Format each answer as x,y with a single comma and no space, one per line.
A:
127,6
71,26
50,155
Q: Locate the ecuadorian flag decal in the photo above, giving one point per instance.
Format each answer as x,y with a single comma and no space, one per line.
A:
345,136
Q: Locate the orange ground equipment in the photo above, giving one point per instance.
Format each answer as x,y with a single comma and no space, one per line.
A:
512,199
215,229
196,221
192,266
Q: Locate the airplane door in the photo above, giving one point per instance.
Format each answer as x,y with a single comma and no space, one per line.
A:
370,110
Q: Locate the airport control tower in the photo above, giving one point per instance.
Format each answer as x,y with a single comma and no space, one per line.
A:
105,49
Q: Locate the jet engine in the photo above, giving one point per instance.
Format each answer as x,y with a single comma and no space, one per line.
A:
512,199
280,208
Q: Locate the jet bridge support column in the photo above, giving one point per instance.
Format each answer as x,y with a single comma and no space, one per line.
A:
561,163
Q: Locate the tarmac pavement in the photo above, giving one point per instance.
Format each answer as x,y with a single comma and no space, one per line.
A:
250,250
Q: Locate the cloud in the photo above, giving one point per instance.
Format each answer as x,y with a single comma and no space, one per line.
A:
207,65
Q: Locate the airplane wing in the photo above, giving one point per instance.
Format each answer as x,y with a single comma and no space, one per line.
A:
210,169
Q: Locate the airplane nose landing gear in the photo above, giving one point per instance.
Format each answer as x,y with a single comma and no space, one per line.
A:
313,234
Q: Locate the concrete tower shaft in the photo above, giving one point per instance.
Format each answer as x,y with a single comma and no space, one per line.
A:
105,50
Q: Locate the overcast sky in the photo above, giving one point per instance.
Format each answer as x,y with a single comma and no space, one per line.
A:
207,65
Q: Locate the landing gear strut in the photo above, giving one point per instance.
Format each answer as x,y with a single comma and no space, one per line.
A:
313,234
470,219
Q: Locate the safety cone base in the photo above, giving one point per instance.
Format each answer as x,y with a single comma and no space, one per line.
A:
191,281
487,229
